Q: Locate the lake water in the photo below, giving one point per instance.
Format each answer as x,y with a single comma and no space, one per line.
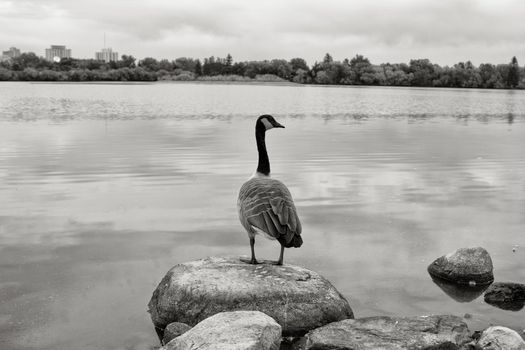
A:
104,187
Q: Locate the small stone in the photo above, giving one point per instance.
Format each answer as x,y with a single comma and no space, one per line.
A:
500,338
173,330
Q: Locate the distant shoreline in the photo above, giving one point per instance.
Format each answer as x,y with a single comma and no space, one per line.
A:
357,71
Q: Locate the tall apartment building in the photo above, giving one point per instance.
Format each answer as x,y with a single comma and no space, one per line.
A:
59,51
9,54
106,55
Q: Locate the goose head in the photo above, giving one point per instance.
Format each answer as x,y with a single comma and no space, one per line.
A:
267,122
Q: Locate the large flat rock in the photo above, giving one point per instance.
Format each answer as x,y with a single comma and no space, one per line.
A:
391,333
238,330
297,298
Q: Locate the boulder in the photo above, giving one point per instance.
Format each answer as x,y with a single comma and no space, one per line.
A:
506,295
173,330
238,330
392,333
297,298
500,338
470,266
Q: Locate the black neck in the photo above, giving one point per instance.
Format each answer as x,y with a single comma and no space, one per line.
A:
263,166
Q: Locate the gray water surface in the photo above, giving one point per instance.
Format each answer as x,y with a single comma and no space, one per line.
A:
104,187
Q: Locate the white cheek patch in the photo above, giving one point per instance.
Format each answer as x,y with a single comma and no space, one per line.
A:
267,124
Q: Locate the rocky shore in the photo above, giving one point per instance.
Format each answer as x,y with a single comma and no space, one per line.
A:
223,303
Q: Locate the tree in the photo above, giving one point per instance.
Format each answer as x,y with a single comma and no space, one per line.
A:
198,68
513,75
126,61
393,75
29,60
215,66
150,64
489,75
186,63
323,78
360,67
166,65
282,69
300,76
503,71
299,63
6,74
423,72
239,68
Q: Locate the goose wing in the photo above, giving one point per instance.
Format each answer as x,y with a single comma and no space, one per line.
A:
267,205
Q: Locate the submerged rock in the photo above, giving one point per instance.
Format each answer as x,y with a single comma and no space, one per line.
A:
298,299
506,295
392,333
173,330
500,338
239,330
470,266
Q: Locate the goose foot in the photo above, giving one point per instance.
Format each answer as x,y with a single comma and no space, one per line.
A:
252,261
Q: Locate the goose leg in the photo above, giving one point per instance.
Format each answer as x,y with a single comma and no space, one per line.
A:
280,261
252,260
252,244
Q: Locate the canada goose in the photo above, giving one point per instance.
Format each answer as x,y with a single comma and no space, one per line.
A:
265,205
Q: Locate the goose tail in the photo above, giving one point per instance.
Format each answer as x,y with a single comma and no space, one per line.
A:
295,242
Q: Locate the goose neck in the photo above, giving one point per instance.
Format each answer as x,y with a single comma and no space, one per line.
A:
263,166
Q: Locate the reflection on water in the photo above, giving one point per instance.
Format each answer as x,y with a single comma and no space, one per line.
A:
458,292
511,305
105,187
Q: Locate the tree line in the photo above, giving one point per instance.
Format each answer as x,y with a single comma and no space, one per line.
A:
355,71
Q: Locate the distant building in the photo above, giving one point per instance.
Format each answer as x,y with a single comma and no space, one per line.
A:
10,54
57,52
106,55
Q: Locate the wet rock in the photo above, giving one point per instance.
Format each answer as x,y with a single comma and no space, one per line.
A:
392,333
238,330
173,330
500,338
298,299
506,295
469,266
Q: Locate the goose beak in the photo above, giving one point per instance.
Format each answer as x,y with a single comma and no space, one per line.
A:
277,125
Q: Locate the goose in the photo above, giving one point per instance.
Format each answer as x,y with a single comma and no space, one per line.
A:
265,205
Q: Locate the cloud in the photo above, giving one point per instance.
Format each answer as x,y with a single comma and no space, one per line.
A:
445,30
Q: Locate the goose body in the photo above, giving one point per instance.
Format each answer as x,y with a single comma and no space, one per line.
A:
265,205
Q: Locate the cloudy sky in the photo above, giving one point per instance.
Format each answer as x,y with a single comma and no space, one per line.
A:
445,31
